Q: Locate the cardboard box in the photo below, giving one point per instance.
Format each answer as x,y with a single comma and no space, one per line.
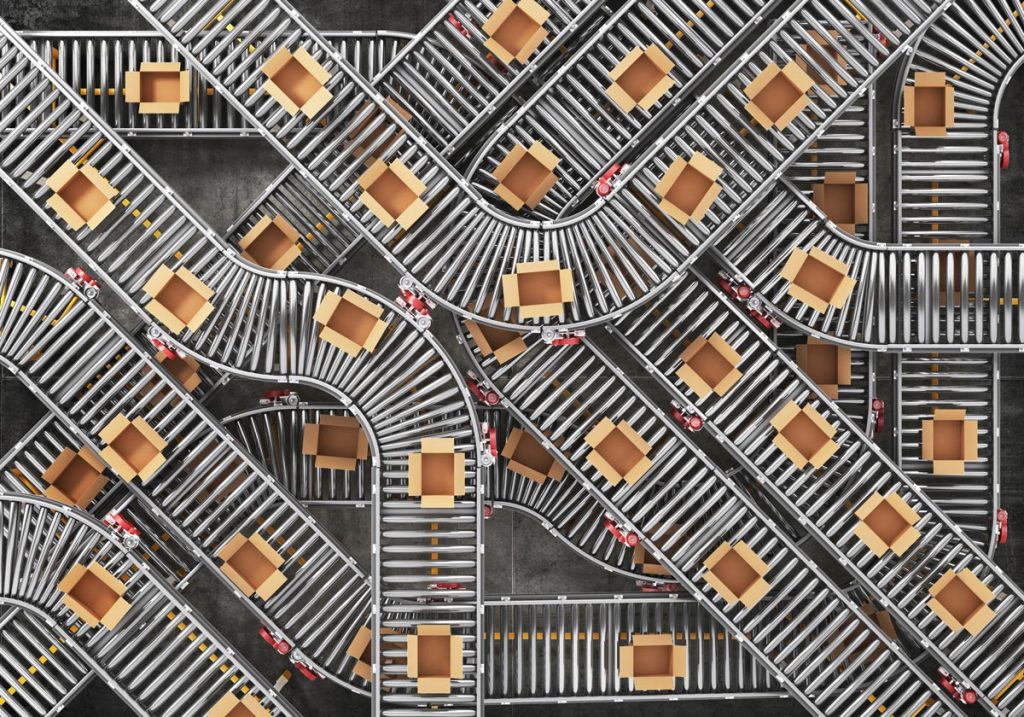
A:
826,364
886,524
231,706
641,78
667,543
804,435
184,368
854,637
528,457
525,175
515,30
843,199
81,196
538,289
689,188
392,193
437,473
949,440
297,81
336,441
619,454
180,300
133,447
821,52
350,321
778,96
653,662
157,87
361,650
709,364
271,243
94,595
252,564
504,344
737,573
75,478
364,138
435,659
928,104
817,279
961,601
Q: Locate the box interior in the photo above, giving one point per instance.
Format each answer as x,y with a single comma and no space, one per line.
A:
240,710
735,573
77,478
160,86
818,278
840,203
777,97
516,31
532,454
540,287
640,78
930,106
948,440
352,322
179,368
94,594
134,448
959,600
652,661
710,365
180,299
689,189
82,195
823,364
886,522
805,435
268,247
338,441
296,82
251,564
434,655
438,475
619,451
391,193
497,337
526,176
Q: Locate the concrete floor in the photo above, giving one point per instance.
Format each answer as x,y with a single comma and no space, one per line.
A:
521,556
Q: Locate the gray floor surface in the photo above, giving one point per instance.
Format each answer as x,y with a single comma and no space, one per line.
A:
521,556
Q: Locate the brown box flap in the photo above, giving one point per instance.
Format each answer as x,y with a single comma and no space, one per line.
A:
653,662
817,279
737,573
272,243
528,457
827,364
538,289
843,200
641,78
350,321
133,447
928,105
689,188
81,196
252,565
709,364
886,524
515,30
185,370
231,706
392,192
179,299
503,343
337,442
75,478
777,95
525,176
297,81
437,474
961,601
619,452
804,435
94,595
434,658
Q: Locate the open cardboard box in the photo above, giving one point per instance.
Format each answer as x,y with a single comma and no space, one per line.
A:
843,200
804,435
94,595
817,279
365,136
272,243
337,442
928,104
297,81
949,440
709,364
641,78
252,564
157,87
528,457
538,289
231,706
392,192
619,453
503,343
81,196
961,600
184,368
821,53
689,188
778,96
737,573
886,524
653,662
361,650
435,659
525,175
133,447
75,478
350,321
826,364
180,300
515,30
437,474
667,543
